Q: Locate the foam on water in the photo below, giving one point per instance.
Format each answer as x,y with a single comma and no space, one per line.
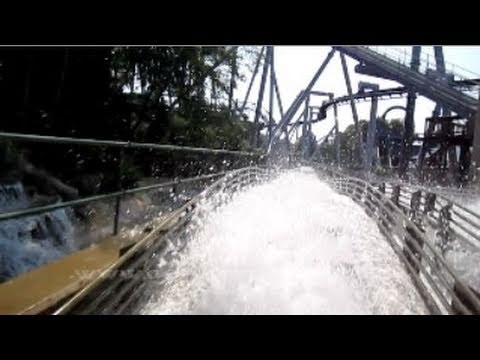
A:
291,246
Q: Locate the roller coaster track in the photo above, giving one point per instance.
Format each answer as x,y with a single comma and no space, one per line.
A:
396,92
405,215
391,93
438,91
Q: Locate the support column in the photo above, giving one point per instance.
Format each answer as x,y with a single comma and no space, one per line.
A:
305,129
298,101
270,107
232,79
359,153
277,91
474,128
409,124
440,67
371,136
258,111
337,136
254,75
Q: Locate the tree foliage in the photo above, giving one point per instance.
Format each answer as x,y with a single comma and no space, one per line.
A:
170,95
387,136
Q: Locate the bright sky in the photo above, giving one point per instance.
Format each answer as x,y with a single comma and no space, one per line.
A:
296,65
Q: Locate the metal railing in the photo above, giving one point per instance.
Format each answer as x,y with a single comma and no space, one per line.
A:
121,193
440,211
403,219
120,144
119,288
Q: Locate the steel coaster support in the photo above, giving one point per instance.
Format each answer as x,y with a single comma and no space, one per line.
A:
335,127
409,123
337,137
474,131
232,79
372,125
359,152
271,95
371,135
305,130
298,101
277,90
258,111
255,71
440,67
279,102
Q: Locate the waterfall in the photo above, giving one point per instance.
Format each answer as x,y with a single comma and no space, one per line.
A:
28,242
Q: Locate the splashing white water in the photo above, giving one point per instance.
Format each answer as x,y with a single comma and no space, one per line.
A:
292,246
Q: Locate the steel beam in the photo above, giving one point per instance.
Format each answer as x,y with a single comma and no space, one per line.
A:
298,101
360,156
277,92
232,79
256,129
440,67
305,129
371,135
409,123
255,71
475,164
272,85
337,137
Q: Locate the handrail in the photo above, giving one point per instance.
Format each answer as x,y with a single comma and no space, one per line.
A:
140,254
87,200
120,144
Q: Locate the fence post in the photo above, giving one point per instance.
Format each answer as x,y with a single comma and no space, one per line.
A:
368,200
396,195
119,188
413,236
444,222
415,208
381,188
465,301
430,199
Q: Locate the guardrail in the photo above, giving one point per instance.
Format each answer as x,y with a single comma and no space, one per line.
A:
121,145
402,216
458,223
117,196
123,284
